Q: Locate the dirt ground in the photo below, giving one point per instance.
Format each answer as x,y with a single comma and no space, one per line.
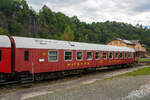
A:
89,87
128,88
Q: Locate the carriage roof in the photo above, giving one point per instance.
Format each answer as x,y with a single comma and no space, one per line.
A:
37,43
4,41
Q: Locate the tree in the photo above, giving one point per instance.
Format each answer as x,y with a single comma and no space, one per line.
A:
15,28
44,33
5,6
16,18
68,34
24,5
4,32
9,6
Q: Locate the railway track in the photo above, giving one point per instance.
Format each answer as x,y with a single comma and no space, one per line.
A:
73,74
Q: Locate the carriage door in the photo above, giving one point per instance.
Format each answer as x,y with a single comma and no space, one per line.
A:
5,60
0,56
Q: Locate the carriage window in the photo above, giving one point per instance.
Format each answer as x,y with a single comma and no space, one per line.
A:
116,55
121,55
132,55
68,55
125,55
129,55
52,56
79,55
104,55
89,55
116,43
0,55
110,55
26,55
97,55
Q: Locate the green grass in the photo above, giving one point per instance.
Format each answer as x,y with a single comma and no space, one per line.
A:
142,60
143,71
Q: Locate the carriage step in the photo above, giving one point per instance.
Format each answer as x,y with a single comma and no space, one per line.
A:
26,81
24,76
27,78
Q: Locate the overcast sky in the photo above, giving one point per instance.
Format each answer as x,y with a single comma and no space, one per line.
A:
128,11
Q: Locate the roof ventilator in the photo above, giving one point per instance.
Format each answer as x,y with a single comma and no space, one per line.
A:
71,44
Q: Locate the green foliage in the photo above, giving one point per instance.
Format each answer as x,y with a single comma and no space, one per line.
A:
55,22
3,31
44,33
68,34
15,28
3,21
10,6
143,71
142,60
16,18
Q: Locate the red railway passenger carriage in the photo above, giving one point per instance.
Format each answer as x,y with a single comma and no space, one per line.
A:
22,57
5,55
44,55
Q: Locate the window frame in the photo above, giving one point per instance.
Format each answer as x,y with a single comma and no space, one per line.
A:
95,55
91,55
121,54
71,55
26,60
82,56
116,43
117,55
130,54
57,56
103,54
109,55
125,53
0,55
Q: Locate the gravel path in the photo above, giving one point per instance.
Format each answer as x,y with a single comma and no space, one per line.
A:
128,88
91,87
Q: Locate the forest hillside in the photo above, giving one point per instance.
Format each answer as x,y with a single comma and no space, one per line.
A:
18,19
